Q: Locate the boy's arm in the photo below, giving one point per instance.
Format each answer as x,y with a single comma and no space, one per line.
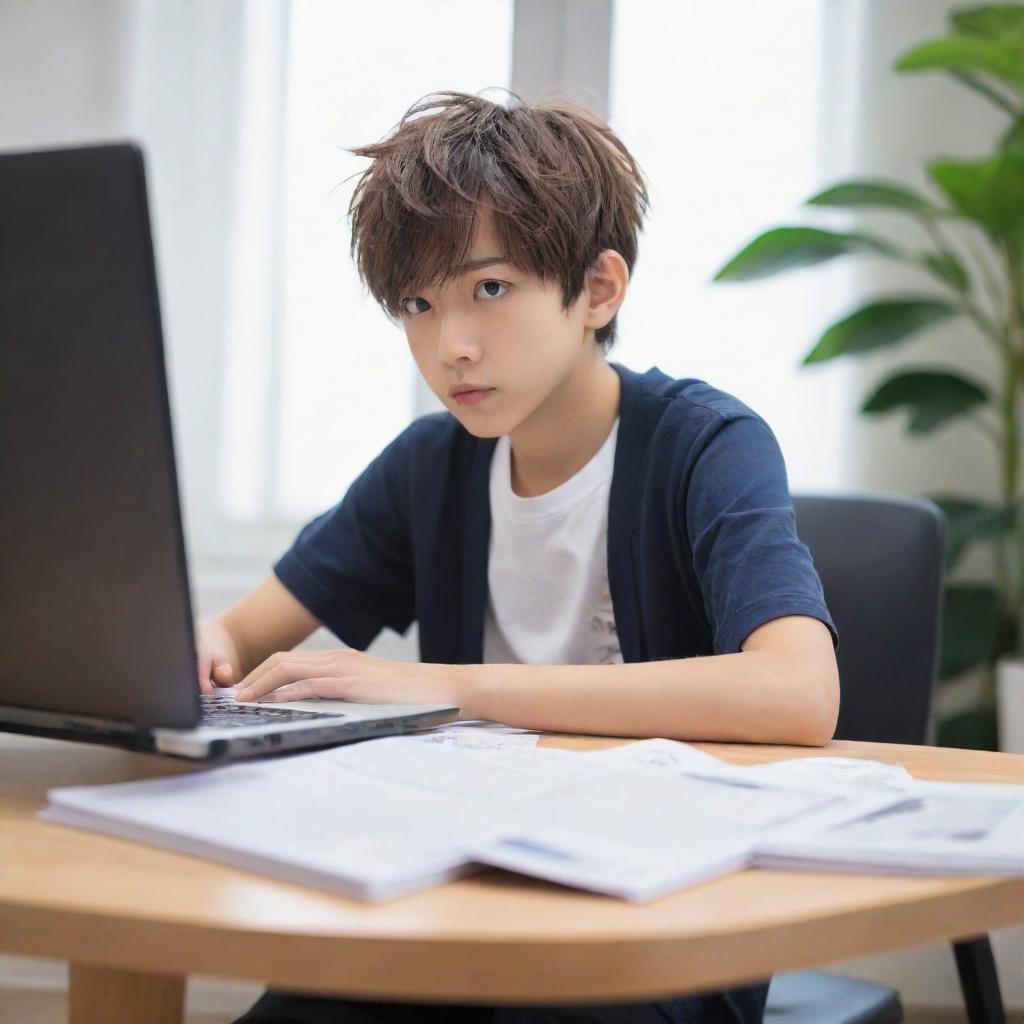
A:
266,620
782,687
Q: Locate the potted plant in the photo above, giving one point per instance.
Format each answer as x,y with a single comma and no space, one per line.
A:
973,258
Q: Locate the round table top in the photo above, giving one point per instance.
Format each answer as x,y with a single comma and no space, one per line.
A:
490,937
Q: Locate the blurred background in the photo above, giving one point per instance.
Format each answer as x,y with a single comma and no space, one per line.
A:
286,379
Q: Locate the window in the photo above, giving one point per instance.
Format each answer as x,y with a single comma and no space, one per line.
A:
318,379
287,380
720,103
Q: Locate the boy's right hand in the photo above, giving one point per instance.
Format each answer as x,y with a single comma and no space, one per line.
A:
212,659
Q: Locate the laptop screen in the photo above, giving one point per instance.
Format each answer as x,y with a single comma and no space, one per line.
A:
96,611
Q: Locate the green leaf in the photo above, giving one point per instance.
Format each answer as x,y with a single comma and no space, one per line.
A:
967,185
968,522
946,267
1013,141
986,89
970,625
932,398
874,193
877,325
966,53
974,729
995,21
1008,198
988,191
790,247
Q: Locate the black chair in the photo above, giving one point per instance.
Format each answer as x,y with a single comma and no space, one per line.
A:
881,565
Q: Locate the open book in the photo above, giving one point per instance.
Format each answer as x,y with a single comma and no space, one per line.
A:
390,816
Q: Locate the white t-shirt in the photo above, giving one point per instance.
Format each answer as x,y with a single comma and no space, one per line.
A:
548,598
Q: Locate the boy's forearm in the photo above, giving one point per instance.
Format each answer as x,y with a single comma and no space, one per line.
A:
750,697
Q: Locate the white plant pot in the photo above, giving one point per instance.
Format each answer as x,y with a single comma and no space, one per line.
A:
1010,704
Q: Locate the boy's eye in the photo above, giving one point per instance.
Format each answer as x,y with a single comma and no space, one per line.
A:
415,305
491,289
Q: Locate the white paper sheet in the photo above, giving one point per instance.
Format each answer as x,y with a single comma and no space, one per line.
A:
837,772
656,753
639,834
948,828
478,737
373,839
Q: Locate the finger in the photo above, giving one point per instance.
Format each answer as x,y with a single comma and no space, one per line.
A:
222,670
277,674
276,659
325,686
267,675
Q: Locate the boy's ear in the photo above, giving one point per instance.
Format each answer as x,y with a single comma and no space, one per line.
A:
605,288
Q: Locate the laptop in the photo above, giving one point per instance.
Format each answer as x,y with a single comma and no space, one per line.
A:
96,641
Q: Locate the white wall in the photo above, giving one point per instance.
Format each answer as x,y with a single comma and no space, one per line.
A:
63,71
65,77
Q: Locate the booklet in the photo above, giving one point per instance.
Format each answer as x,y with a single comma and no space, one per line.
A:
391,816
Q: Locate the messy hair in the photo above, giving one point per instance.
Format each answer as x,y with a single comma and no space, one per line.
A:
559,184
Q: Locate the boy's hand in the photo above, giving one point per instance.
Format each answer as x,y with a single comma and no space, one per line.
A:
212,659
349,675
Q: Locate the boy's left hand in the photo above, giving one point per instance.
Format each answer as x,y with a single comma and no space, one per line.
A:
348,675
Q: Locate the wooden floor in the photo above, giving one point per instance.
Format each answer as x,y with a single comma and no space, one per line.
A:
33,1007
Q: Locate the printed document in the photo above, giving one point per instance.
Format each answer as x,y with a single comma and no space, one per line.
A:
934,828
390,816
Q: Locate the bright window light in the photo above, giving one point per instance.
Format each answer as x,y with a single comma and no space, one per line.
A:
340,379
720,105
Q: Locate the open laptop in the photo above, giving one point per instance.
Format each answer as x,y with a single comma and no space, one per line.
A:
96,641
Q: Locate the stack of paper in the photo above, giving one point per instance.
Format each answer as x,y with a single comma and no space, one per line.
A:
656,817
390,816
374,819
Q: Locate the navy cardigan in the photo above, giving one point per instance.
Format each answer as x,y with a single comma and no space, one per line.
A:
701,541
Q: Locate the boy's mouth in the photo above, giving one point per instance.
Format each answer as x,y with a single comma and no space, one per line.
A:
470,396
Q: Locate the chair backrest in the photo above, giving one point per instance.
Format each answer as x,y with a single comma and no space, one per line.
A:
881,565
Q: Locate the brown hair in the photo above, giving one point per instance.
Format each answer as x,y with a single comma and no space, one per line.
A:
559,183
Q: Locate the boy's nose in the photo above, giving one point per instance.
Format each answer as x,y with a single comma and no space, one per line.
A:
457,339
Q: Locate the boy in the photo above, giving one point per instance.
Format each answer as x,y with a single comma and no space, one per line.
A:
585,548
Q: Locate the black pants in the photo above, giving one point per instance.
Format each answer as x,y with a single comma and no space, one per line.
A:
735,1006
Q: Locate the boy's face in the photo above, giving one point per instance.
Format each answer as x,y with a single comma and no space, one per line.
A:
500,328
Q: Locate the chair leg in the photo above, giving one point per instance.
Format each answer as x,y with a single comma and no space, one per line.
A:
979,980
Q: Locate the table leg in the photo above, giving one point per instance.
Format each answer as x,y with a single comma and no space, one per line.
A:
979,980
100,995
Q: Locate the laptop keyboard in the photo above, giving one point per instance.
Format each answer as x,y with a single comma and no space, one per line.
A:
223,711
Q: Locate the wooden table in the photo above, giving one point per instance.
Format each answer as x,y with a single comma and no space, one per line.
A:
135,921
